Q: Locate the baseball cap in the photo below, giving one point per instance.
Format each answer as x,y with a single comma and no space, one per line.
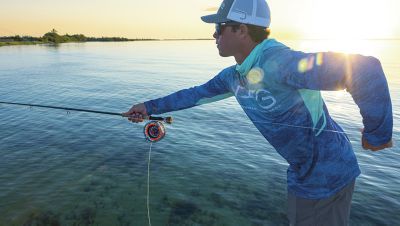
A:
255,12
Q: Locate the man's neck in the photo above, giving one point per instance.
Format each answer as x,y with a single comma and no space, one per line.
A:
246,50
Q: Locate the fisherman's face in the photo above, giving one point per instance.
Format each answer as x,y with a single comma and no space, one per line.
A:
226,40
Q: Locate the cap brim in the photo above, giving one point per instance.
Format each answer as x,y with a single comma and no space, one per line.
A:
214,18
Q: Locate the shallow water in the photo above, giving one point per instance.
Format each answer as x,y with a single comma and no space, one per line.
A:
212,168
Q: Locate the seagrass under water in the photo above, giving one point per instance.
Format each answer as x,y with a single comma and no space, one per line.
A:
212,168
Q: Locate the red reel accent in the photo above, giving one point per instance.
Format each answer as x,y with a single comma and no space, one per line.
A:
154,131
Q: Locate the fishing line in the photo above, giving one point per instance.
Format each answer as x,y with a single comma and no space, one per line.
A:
153,131
273,123
148,185
300,127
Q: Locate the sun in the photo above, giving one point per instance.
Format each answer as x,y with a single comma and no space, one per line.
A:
347,25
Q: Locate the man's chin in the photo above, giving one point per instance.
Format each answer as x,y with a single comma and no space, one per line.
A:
222,54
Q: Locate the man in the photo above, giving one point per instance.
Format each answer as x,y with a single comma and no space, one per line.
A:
278,88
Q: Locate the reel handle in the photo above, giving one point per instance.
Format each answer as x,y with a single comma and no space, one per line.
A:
168,119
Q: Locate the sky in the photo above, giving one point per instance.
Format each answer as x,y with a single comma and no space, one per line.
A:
170,19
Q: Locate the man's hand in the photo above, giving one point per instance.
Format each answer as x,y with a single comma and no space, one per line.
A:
368,146
137,113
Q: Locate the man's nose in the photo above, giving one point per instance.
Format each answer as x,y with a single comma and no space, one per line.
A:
215,35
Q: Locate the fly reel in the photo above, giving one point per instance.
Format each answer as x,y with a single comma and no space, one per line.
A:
154,131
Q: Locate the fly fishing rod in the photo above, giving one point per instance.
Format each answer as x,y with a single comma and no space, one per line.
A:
154,130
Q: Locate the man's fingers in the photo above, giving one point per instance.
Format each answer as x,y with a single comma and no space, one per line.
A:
137,113
135,120
135,117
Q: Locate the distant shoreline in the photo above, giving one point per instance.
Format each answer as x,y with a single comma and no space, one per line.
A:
13,43
52,37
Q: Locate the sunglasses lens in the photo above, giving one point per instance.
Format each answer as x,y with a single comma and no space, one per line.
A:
218,29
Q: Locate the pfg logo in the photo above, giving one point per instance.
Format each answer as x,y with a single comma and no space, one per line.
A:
263,97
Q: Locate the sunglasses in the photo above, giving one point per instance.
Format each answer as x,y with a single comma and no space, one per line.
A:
219,27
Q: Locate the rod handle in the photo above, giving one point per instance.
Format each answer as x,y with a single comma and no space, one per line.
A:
168,119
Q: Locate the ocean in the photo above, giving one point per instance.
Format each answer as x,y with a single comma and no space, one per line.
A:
212,168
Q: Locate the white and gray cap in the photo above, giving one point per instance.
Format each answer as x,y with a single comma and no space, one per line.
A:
255,12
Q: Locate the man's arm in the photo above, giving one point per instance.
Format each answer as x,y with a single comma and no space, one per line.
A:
361,76
214,90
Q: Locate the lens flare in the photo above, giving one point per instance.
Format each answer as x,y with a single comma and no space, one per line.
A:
255,75
306,64
320,59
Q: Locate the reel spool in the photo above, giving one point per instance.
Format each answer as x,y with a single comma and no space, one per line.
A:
154,131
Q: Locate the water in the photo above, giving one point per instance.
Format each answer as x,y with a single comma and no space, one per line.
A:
212,168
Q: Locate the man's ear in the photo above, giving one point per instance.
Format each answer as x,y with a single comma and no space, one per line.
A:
243,30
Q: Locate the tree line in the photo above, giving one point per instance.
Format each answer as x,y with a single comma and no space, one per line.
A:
54,37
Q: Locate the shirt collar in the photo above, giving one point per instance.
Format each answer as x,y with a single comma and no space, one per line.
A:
254,55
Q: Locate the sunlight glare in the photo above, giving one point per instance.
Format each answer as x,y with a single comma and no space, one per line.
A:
355,19
343,45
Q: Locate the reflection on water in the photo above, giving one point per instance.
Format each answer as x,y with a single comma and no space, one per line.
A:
86,169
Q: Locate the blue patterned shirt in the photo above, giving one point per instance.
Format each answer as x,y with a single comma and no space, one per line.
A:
279,90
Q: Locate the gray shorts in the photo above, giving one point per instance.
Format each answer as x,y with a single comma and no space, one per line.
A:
332,211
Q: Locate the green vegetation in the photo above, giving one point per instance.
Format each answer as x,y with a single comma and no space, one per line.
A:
53,37
18,43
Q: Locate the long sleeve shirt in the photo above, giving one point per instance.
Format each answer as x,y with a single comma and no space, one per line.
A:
279,90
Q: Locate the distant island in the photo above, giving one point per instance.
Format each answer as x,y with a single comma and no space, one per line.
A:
53,37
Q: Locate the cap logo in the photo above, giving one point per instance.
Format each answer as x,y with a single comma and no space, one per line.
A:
222,5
